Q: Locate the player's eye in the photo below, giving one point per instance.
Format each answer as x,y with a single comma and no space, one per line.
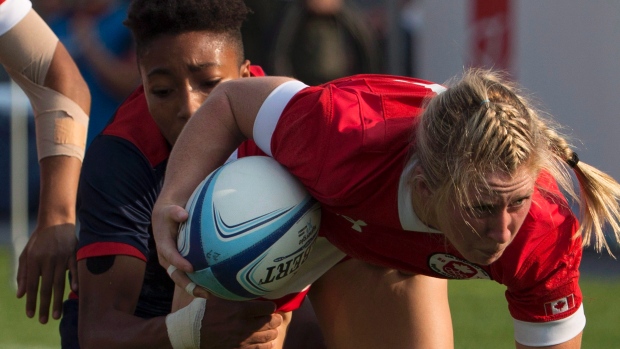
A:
520,201
210,84
480,211
161,92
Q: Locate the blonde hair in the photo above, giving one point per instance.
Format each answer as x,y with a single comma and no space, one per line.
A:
481,124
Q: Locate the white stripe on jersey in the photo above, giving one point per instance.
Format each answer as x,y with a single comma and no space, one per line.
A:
270,112
433,87
12,12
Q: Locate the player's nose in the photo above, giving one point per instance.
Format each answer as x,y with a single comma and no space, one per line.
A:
189,102
498,227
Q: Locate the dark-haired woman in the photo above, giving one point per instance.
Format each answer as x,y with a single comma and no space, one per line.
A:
185,48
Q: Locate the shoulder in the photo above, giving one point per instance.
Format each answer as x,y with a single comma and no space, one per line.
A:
385,84
130,152
371,94
133,123
112,165
550,210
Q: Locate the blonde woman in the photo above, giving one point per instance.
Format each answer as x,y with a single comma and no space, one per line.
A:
418,183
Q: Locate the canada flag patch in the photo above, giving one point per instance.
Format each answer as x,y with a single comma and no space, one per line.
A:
560,305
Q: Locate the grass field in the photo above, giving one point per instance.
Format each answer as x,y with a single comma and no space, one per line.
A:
481,319
479,312
16,330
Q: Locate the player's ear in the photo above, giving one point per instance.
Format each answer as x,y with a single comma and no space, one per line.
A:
244,70
422,197
420,187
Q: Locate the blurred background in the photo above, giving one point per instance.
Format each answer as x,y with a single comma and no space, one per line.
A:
563,52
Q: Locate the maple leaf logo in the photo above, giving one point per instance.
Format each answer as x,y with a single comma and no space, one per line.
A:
463,268
560,305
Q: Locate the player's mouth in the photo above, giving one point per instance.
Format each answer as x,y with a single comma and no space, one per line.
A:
489,256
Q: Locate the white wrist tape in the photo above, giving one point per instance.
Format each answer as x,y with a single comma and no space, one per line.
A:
184,325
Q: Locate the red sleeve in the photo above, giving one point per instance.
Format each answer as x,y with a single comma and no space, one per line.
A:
289,302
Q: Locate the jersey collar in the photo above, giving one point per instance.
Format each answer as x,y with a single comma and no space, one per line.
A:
409,220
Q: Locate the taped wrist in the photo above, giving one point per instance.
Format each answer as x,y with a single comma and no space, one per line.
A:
61,133
184,325
61,125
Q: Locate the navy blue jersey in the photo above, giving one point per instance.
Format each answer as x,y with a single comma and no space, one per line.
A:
122,175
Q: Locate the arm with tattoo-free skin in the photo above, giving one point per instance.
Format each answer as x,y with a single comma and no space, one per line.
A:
50,249
109,291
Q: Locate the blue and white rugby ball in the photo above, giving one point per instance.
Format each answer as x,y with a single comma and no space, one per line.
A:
251,226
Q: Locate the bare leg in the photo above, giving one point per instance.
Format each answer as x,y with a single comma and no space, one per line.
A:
363,306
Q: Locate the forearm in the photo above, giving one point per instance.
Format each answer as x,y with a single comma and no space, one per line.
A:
109,291
59,182
121,330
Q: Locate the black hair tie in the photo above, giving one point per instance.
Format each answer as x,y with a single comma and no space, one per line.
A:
573,161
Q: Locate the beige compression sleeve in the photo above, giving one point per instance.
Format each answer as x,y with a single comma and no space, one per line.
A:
26,51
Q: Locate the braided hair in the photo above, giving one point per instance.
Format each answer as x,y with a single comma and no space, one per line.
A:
483,123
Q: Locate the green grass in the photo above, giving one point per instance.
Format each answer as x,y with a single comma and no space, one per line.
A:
480,315
481,319
17,331
479,312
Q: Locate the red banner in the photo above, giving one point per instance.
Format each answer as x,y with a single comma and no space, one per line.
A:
491,34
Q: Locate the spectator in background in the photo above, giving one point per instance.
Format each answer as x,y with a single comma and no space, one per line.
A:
321,40
260,28
93,32
396,24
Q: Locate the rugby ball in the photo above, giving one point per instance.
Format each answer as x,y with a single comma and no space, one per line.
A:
251,226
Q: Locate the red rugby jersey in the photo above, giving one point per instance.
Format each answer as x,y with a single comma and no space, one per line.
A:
348,141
